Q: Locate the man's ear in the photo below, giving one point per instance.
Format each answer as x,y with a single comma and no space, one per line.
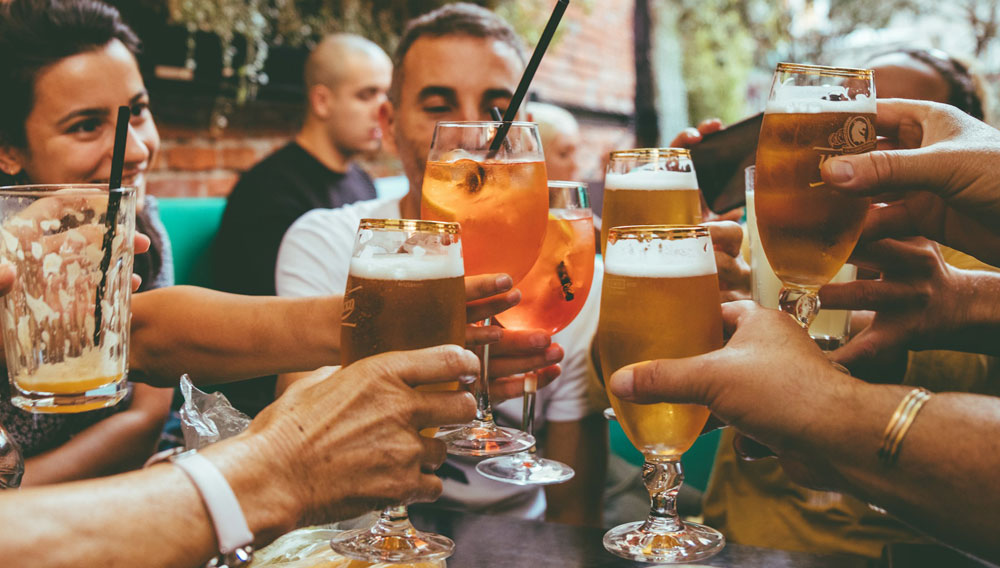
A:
386,122
11,160
321,101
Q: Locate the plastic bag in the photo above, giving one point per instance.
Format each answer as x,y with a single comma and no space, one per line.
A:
207,418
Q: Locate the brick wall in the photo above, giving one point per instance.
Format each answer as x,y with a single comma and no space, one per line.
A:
591,71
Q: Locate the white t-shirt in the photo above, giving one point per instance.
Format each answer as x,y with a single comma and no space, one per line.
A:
314,259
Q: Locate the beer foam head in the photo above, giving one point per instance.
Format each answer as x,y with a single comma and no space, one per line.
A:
415,266
660,258
811,99
651,180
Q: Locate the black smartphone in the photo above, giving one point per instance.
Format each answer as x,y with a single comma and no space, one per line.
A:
720,159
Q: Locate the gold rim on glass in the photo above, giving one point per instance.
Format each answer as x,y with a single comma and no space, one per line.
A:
658,232
640,153
412,225
823,71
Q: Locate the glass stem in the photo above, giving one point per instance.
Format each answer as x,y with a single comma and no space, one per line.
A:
803,305
484,411
394,520
528,415
663,477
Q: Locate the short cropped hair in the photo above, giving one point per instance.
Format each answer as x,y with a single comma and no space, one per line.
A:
460,18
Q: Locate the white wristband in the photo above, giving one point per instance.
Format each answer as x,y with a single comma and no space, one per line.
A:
231,530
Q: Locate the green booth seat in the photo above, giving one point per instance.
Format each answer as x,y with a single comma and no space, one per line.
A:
191,223
697,461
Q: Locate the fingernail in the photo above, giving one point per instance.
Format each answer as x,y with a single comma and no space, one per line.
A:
623,383
539,340
504,283
553,354
467,379
841,171
692,133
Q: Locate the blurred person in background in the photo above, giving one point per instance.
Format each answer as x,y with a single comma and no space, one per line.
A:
67,66
755,502
560,136
457,63
346,80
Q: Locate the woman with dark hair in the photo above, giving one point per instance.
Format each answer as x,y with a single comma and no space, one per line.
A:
66,67
931,75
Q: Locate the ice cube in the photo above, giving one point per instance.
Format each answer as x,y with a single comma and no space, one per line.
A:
469,175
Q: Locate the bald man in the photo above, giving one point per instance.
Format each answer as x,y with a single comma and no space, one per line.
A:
346,80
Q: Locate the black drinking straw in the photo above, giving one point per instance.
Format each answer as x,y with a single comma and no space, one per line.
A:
529,74
111,217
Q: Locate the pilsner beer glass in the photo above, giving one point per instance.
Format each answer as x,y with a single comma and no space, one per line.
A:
553,293
501,200
405,290
660,299
831,328
650,186
807,229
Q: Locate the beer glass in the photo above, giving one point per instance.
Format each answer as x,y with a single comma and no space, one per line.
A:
660,299
808,230
553,293
66,319
831,328
501,201
650,186
405,290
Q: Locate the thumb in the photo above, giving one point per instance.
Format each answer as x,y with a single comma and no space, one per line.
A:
885,170
664,380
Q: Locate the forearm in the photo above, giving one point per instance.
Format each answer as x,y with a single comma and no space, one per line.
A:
219,337
147,518
120,442
945,481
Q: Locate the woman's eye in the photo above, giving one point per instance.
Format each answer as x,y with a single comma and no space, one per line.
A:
139,108
88,125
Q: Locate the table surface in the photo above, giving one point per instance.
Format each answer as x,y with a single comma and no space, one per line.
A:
491,541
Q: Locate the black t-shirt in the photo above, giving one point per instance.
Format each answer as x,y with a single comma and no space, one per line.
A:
265,202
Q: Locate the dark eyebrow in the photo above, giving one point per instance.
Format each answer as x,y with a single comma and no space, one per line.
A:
437,91
498,93
98,112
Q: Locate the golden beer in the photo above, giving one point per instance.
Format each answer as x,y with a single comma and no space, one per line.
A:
397,300
658,303
652,186
807,229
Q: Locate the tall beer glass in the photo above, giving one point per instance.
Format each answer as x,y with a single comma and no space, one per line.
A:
405,290
553,293
808,230
650,186
501,201
660,299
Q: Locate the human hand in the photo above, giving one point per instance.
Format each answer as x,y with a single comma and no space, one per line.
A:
691,136
768,382
346,442
513,352
920,302
937,165
734,273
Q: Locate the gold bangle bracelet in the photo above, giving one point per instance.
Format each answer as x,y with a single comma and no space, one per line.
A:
899,424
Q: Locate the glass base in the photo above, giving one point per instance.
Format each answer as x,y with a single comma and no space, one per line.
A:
69,403
409,547
484,439
641,542
525,469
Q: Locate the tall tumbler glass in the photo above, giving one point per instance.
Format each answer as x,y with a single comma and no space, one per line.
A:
405,290
501,201
66,320
807,229
660,300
